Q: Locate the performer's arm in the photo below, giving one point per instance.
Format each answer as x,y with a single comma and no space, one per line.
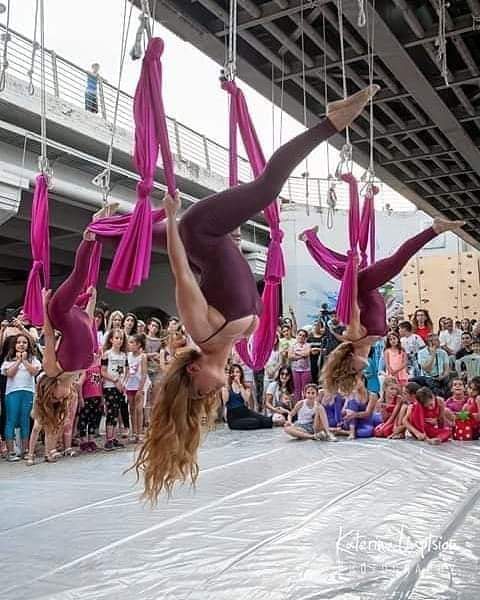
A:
50,365
191,303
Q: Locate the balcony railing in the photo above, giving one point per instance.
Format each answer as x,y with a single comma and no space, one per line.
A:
67,81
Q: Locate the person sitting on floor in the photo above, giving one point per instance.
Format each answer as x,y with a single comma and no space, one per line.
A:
235,398
425,418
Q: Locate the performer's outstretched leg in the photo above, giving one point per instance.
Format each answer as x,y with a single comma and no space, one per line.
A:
221,213
75,351
65,296
382,271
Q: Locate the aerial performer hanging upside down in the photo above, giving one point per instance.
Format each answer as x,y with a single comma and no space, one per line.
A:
62,359
223,307
368,322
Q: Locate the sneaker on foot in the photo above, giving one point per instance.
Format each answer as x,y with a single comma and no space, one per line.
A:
109,446
117,444
92,447
12,457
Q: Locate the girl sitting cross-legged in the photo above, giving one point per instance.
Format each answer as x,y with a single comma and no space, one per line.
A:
389,406
312,421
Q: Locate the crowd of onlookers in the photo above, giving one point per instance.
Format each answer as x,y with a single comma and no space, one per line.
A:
421,380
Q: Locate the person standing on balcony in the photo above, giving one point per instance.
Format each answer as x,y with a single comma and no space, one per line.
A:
91,91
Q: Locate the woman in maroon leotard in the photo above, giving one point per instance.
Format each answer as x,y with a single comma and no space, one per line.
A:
223,307
368,323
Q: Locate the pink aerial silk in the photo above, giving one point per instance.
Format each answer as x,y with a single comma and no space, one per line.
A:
40,242
131,263
256,352
93,274
361,232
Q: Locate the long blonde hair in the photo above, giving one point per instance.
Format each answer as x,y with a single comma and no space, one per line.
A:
50,412
339,374
169,451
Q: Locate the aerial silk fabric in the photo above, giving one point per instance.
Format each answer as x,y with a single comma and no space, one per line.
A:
131,263
361,237
256,351
39,275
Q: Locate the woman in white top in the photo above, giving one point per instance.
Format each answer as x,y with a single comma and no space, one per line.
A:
20,367
279,397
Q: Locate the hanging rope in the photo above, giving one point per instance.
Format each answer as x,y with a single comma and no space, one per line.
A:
43,163
346,162
331,194
368,176
441,41
306,174
35,47
230,68
102,180
143,29
6,39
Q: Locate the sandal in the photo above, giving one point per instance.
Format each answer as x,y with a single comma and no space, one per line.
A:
29,460
51,457
70,452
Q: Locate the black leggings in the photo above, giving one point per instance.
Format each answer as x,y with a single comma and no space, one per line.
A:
89,416
244,418
113,404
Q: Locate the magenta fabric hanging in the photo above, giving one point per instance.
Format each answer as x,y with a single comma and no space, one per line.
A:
361,232
131,264
93,274
256,352
40,242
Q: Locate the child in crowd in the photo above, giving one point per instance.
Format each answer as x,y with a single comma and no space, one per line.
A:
396,359
20,368
90,405
409,397
425,418
69,425
50,414
389,406
359,416
114,364
135,383
312,422
305,411
299,354
279,397
456,401
412,343
333,405
473,403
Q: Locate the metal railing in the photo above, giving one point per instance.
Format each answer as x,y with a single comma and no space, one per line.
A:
67,82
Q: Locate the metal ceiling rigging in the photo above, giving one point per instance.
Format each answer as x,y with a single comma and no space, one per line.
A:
426,125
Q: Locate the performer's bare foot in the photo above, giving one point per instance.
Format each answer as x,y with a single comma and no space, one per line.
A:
303,236
343,112
441,225
106,211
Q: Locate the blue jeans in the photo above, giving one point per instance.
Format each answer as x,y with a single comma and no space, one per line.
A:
19,406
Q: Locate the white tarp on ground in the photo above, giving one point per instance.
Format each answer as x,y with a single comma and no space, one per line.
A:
271,519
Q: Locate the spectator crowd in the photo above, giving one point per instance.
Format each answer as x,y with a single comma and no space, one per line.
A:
421,381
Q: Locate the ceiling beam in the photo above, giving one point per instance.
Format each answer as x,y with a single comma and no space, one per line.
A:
397,59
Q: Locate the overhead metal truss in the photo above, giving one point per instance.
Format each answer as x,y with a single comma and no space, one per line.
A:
426,134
